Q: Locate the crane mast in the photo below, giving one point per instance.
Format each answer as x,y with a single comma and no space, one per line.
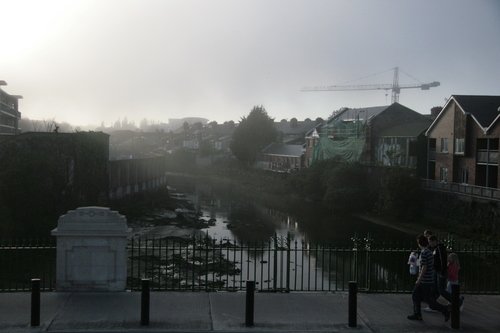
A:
395,87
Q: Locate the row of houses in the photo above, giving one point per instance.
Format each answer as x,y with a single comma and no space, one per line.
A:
458,143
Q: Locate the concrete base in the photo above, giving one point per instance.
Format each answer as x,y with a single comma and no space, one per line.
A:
91,250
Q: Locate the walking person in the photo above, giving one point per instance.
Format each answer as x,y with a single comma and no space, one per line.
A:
440,256
453,268
424,286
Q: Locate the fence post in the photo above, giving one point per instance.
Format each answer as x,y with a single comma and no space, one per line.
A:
275,262
145,302
353,303
455,306
35,302
288,262
249,303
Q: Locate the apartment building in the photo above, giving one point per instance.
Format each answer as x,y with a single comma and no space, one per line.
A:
9,112
463,142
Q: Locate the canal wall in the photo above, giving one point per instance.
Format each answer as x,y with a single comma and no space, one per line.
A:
463,213
135,175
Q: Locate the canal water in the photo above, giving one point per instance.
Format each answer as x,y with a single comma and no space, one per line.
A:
307,229
243,216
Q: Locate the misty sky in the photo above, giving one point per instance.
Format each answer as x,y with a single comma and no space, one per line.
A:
85,61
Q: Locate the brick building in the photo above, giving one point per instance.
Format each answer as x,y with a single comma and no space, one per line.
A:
463,141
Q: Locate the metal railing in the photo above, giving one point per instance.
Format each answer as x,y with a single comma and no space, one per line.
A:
24,259
472,190
280,265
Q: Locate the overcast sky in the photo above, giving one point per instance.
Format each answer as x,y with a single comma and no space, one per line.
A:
85,61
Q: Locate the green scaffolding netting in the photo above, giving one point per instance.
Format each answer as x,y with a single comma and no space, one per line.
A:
344,139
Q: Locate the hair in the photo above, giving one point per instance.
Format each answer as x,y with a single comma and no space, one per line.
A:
433,238
453,259
422,240
428,232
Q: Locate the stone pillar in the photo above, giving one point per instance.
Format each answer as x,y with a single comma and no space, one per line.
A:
91,250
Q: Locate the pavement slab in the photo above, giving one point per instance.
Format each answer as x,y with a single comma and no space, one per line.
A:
226,311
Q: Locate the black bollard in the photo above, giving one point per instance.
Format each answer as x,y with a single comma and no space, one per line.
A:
145,302
249,303
353,303
455,306
35,302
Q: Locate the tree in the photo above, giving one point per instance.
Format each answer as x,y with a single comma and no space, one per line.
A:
347,188
294,122
49,124
144,124
336,112
400,194
253,134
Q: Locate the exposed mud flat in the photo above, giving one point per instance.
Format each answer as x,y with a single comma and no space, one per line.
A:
168,246
183,221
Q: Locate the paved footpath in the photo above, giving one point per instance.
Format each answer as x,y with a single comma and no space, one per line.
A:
225,312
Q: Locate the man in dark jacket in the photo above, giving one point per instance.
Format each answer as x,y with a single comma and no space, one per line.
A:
440,267
440,256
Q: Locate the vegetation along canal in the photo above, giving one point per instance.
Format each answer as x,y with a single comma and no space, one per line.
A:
300,230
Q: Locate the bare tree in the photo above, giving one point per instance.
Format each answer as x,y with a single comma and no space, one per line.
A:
50,125
35,125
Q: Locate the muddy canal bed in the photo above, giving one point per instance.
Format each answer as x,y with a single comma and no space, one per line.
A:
172,248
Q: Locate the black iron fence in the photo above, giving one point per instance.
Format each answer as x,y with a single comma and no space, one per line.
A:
24,259
279,265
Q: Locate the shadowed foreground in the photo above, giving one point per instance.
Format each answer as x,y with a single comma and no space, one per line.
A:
225,312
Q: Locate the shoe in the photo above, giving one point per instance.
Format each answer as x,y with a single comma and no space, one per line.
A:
447,314
462,304
428,309
415,317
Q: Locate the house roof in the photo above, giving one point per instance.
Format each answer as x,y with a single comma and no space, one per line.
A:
223,129
405,130
483,109
302,127
316,130
283,150
362,114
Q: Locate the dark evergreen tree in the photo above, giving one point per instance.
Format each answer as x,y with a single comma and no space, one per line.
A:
253,134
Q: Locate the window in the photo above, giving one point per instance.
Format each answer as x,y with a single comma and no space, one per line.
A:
465,176
443,175
459,146
444,145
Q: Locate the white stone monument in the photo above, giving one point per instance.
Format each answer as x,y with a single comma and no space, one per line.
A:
91,250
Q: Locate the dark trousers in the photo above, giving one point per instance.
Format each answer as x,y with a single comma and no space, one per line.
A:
426,292
441,284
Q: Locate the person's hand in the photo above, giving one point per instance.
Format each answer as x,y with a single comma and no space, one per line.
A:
417,282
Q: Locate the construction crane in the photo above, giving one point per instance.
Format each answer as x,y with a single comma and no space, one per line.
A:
395,87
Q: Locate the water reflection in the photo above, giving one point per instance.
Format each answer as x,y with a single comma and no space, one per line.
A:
290,245
244,218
